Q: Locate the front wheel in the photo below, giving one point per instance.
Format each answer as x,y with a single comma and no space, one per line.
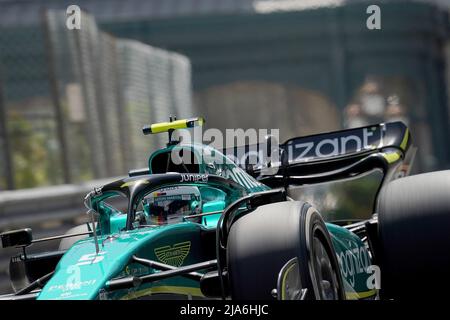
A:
414,225
263,241
66,243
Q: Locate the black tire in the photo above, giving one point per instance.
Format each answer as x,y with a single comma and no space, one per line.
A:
414,233
260,243
66,243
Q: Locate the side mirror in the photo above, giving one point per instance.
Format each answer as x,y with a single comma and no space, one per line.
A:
16,238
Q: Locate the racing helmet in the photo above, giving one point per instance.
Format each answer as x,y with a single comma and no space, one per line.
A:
169,205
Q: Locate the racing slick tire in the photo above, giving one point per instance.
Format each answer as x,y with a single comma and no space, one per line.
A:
414,234
263,241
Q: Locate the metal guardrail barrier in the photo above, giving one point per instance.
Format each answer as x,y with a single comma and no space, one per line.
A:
47,211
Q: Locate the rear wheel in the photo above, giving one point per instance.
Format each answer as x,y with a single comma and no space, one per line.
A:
414,233
263,241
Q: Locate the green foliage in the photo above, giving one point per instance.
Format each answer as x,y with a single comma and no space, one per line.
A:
29,154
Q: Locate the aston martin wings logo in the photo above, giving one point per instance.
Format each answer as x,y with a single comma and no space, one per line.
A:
173,255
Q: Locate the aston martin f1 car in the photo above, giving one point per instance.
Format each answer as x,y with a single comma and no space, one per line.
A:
223,229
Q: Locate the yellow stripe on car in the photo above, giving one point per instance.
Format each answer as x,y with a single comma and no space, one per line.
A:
283,282
391,157
405,140
360,295
135,182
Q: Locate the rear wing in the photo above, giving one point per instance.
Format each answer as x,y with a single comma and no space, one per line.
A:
347,143
380,145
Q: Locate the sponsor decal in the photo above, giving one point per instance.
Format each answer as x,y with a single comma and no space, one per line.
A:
353,262
173,255
133,270
360,140
72,285
194,177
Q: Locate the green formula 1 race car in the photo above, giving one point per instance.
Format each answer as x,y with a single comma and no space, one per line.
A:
222,229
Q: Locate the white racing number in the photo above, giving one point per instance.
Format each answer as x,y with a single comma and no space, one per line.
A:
91,258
